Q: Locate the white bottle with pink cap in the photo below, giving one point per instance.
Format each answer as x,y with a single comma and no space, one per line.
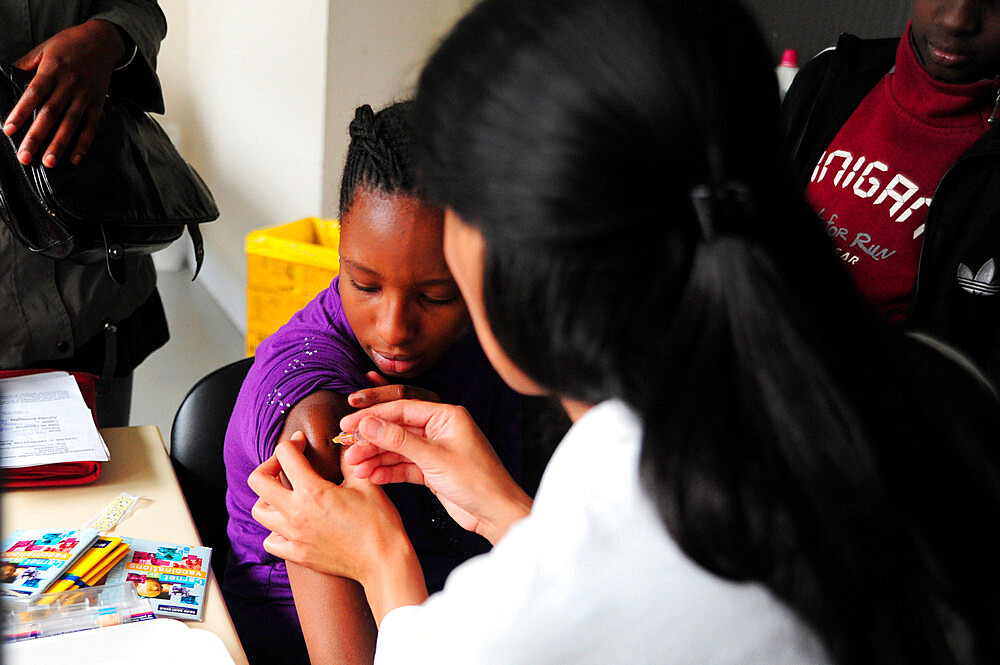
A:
787,70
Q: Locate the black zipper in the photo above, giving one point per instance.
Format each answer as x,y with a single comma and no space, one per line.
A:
996,106
932,207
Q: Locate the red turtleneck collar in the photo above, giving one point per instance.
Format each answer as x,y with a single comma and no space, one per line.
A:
938,103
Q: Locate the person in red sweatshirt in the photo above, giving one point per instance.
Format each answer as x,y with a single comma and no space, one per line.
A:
895,146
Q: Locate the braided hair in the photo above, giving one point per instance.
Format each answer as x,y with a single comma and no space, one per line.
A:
379,155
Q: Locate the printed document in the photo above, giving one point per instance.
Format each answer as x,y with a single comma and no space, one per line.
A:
44,420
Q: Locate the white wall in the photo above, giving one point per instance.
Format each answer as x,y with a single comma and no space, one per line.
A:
245,83
263,91
376,51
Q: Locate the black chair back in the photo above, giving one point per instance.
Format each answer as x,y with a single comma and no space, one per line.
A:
196,440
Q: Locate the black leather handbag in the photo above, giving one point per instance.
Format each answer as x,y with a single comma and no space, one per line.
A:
132,194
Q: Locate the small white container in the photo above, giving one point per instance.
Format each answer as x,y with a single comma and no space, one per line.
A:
787,70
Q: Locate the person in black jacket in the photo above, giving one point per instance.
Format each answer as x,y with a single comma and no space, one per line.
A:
895,143
59,314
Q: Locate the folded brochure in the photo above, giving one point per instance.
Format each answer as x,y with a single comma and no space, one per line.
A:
33,559
92,566
171,575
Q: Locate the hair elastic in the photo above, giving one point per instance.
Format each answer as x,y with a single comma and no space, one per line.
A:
706,199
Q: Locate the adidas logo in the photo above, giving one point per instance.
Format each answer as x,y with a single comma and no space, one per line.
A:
985,282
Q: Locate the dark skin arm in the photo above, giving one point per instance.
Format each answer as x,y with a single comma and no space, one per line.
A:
333,611
317,416
72,74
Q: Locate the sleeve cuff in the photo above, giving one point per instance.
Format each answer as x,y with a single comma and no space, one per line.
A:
392,645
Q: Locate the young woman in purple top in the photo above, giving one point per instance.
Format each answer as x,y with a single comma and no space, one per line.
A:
394,316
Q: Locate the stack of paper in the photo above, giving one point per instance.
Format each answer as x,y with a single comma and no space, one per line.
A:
156,642
47,431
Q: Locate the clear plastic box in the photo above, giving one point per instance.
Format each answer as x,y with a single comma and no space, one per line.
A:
70,611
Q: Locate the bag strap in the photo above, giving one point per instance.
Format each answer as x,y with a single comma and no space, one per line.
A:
110,358
114,254
199,248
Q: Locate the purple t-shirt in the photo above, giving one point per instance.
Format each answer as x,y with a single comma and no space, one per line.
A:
317,350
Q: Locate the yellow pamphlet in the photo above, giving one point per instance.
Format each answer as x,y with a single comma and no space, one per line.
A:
93,560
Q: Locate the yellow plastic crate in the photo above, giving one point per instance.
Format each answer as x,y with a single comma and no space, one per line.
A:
287,266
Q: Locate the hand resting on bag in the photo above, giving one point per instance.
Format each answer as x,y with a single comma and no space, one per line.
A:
72,75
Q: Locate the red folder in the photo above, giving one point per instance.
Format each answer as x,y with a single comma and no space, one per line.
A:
65,473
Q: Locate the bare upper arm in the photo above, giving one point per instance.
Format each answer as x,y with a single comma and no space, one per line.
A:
318,416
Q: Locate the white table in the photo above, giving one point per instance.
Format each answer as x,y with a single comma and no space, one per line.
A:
139,465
